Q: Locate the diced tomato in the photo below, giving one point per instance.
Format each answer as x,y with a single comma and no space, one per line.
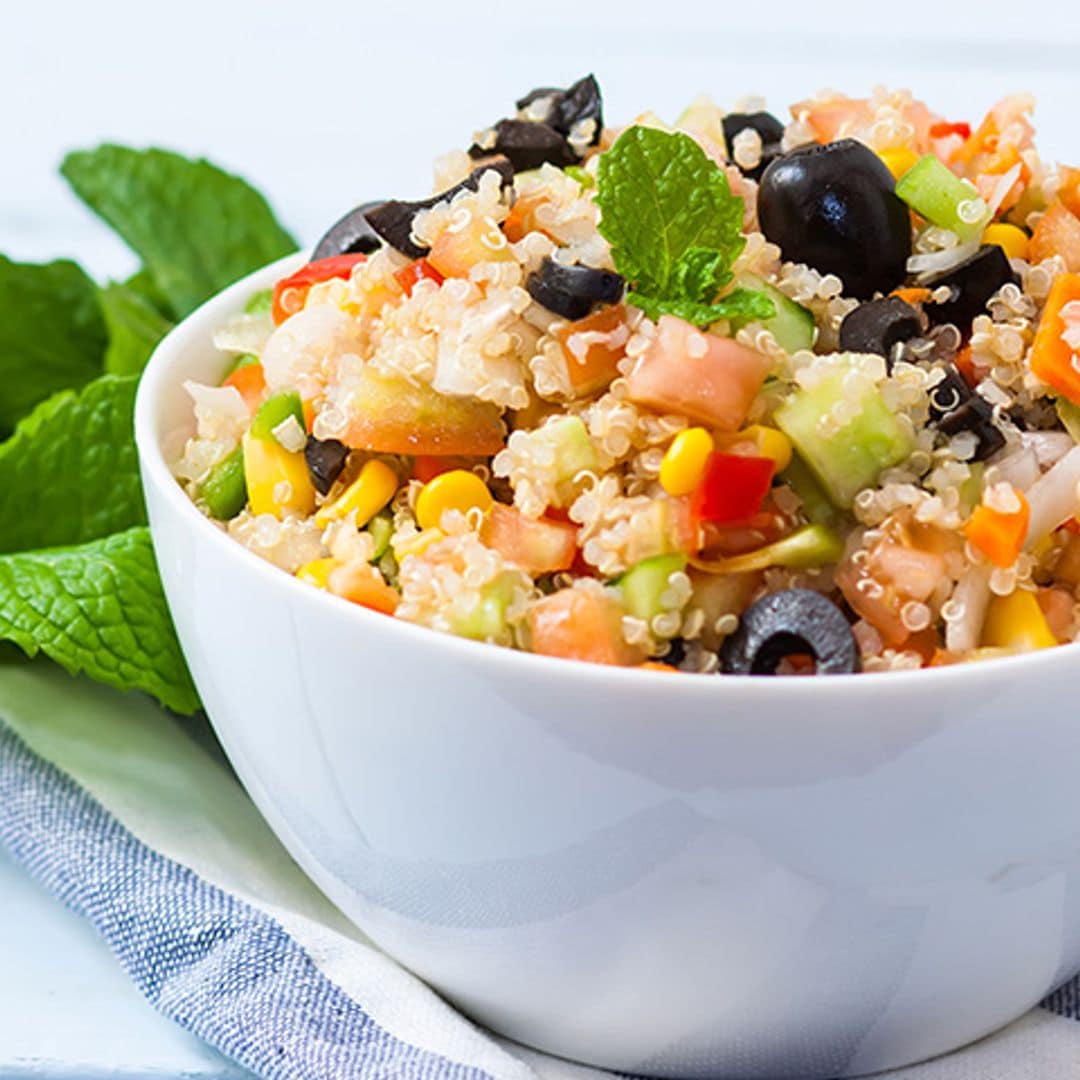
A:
538,546
1057,233
581,624
997,145
592,347
737,538
914,573
250,381
944,128
1069,192
408,277
291,292
733,487
426,467
394,416
455,253
832,118
709,378
522,218
364,585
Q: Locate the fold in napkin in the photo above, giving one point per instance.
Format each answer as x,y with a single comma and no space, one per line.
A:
138,825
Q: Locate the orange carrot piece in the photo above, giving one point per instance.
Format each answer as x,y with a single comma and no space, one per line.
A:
250,381
998,535
1051,357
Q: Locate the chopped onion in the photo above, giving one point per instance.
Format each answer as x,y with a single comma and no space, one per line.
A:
1020,468
244,334
1049,447
932,263
290,434
1054,498
1002,188
971,595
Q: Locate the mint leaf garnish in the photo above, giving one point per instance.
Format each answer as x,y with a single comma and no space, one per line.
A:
51,334
674,227
70,472
196,227
135,326
98,608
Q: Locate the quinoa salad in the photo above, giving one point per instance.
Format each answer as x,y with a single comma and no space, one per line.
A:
731,394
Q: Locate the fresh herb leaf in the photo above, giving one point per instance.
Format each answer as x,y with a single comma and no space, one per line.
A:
674,227
740,304
98,608
196,227
142,284
135,327
70,472
52,336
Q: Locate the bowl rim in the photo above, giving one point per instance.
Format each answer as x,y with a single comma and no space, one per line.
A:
162,375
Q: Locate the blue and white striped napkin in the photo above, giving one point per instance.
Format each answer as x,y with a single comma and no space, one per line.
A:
144,832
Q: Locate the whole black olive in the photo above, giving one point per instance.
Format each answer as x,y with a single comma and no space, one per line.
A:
955,407
571,291
393,219
350,235
834,208
972,282
878,326
325,459
527,145
789,623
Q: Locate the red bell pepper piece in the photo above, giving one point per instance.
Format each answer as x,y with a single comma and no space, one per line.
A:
408,277
939,131
733,488
290,292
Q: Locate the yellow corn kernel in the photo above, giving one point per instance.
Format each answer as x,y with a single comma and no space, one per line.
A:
277,480
1016,622
316,572
416,544
683,465
458,489
1011,238
898,159
366,495
772,443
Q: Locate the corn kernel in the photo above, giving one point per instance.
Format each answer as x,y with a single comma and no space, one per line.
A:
1017,622
366,495
683,466
773,443
454,490
316,572
277,480
1011,238
416,544
898,160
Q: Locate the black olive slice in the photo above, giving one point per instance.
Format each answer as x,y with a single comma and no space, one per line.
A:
878,326
765,124
566,108
325,459
393,219
350,235
955,407
972,282
571,291
789,623
527,145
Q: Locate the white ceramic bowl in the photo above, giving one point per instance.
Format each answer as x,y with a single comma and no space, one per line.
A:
683,876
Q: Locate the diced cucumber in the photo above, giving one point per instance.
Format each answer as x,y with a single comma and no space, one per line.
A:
645,583
792,325
224,491
815,503
381,527
581,175
933,190
259,303
972,488
275,410
849,459
574,450
485,617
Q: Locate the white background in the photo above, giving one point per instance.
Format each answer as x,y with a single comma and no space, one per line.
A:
324,103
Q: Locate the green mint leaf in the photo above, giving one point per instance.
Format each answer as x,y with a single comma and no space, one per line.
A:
700,273
52,336
196,227
135,326
98,608
70,473
660,195
740,304
143,284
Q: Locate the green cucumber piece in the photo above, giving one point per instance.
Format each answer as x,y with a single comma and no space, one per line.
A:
793,325
486,617
850,459
274,410
582,176
242,361
933,190
574,450
259,303
972,488
815,503
812,545
224,490
381,527
645,582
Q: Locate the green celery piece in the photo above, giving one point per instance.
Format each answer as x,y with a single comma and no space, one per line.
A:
69,473
259,303
660,195
646,581
225,490
98,608
381,527
815,503
195,227
275,410
135,327
933,190
1069,415
851,459
972,488
52,335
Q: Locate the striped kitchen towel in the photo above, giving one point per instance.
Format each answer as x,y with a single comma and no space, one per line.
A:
144,832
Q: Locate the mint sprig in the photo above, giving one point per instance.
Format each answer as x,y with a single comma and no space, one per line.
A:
674,227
